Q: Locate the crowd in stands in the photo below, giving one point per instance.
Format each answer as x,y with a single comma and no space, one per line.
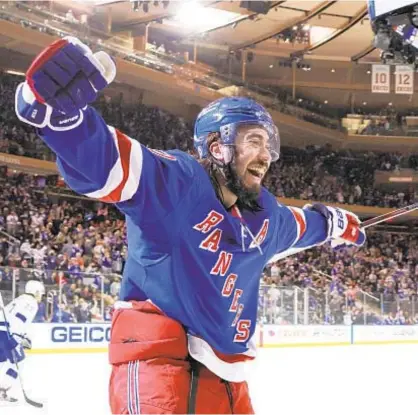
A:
78,248
15,137
377,283
304,108
385,122
313,173
318,173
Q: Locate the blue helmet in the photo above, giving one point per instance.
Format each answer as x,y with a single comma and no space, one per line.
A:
225,115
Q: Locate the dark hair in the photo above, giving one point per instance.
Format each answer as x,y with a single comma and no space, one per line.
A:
245,200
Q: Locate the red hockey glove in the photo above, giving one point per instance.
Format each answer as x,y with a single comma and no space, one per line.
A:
343,226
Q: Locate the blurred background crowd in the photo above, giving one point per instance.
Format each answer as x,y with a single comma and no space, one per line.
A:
77,247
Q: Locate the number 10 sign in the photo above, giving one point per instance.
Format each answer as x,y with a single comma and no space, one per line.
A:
381,79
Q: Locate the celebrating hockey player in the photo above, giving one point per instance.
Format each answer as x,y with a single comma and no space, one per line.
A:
200,232
14,337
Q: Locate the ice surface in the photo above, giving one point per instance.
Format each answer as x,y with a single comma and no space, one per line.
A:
290,381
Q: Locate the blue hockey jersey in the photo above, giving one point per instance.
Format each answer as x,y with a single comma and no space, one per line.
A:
189,255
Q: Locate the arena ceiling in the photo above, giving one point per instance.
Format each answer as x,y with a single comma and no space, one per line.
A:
339,30
336,30
331,41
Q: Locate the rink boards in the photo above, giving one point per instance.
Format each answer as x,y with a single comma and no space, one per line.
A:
310,336
94,338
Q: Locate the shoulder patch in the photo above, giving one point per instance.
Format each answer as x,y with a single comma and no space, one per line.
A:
163,154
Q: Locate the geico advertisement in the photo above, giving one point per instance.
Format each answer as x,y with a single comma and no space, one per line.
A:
305,334
69,335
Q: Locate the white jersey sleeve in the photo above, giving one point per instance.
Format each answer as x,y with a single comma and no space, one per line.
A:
20,313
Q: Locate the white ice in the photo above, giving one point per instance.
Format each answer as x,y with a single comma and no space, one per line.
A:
325,381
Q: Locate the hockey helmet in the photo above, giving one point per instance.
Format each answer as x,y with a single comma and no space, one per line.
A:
35,288
225,115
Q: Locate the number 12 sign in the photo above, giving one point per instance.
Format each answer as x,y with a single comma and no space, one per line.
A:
381,79
404,79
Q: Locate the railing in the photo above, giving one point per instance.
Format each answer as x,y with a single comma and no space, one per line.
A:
69,296
370,303
293,305
75,296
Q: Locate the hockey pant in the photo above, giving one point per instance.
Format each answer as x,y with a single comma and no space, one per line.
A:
152,372
8,372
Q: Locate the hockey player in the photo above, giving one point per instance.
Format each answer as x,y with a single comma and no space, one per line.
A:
200,232
19,314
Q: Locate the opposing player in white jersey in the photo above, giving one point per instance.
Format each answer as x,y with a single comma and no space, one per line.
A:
14,335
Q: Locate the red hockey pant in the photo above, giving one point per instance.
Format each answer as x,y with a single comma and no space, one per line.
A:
151,369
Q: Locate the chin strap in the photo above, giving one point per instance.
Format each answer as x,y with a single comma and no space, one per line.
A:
223,158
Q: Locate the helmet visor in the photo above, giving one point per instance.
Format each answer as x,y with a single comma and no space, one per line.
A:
269,139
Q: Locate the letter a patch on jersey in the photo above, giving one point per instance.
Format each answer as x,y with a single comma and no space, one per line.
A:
261,236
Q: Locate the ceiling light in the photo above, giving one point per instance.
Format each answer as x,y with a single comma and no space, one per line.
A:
194,16
270,66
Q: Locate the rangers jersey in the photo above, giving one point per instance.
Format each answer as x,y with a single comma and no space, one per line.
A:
199,262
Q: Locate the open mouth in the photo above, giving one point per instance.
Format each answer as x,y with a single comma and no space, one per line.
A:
259,173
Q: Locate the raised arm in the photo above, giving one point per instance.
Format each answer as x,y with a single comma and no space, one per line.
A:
95,159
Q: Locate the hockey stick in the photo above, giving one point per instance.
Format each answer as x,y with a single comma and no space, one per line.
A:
27,399
389,216
364,225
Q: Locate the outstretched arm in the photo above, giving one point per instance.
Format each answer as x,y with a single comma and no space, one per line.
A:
299,229
95,159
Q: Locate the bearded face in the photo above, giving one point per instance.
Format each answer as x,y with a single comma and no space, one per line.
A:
250,162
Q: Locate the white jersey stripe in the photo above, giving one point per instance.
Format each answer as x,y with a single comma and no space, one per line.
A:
135,170
200,350
115,176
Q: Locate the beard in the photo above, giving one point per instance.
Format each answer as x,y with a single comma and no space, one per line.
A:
247,196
